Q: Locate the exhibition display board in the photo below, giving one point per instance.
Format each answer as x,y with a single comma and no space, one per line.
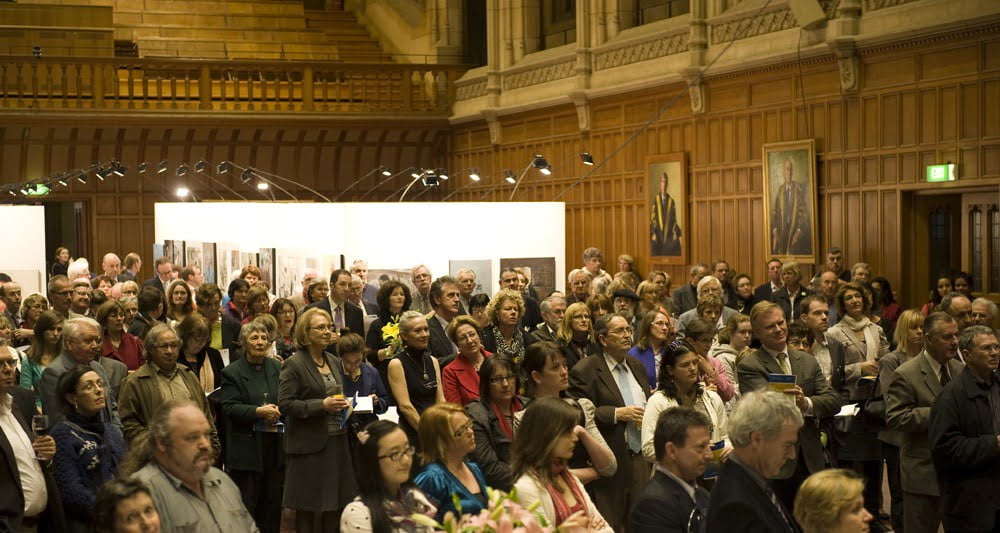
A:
25,242
285,238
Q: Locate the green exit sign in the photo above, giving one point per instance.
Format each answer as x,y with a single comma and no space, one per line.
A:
941,172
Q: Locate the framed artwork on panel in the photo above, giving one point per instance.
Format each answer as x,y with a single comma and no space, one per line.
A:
790,199
265,261
667,208
540,271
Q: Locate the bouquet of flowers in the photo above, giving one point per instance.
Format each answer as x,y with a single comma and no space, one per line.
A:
502,515
390,335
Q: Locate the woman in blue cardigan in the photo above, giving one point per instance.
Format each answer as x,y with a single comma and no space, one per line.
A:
446,438
88,451
361,379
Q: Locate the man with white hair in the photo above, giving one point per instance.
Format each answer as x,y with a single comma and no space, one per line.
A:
553,310
466,279
79,269
369,292
355,294
420,275
706,286
764,429
579,286
81,338
111,265
299,299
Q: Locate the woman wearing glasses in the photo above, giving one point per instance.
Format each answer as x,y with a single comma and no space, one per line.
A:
118,343
285,313
414,375
254,457
88,451
544,445
493,419
319,477
446,438
388,499
460,379
654,334
205,361
699,336
574,335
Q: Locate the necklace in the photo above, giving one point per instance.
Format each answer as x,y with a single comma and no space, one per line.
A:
319,365
424,361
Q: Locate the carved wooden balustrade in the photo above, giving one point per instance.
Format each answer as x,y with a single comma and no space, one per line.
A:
225,85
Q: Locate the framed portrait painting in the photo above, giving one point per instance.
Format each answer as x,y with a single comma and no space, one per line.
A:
790,200
666,208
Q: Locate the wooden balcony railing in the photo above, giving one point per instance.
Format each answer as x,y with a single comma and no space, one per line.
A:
225,85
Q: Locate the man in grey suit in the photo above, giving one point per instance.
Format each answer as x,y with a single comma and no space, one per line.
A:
686,296
81,343
812,393
915,386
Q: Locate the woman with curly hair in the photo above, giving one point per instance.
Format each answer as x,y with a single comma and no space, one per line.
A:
503,336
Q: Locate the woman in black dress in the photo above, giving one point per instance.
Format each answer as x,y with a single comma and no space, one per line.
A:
393,298
319,477
414,374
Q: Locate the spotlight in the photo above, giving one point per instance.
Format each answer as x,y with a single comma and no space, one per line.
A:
510,176
36,51
200,166
547,170
262,186
386,171
246,176
81,176
103,173
587,158
61,180
182,170
183,191
162,167
474,175
442,173
118,169
141,168
11,192
539,161
222,167
431,180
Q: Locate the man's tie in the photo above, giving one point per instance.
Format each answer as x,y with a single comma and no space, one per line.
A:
781,508
945,378
338,318
783,363
632,435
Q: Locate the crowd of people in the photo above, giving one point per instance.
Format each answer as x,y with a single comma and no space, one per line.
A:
620,405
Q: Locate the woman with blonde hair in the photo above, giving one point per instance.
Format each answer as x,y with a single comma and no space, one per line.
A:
503,336
446,438
575,334
546,440
909,337
649,299
830,501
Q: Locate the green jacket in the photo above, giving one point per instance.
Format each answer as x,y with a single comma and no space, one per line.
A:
241,394
139,397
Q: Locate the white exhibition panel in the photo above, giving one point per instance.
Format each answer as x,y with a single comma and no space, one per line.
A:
387,235
25,244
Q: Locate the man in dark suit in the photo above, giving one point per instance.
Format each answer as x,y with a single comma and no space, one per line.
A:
344,313
763,427
24,462
812,393
444,299
965,436
915,385
553,310
686,297
369,292
616,383
161,279
672,500
764,291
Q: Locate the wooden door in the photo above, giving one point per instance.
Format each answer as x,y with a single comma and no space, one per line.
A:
934,244
981,242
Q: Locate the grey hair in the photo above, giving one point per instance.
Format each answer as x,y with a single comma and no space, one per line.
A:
576,271
762,411
696,267
546,304
865,266
946,301
988,303
72,327
705,281
591,253
462,271
153,337
406,318
970,333
129,299
250,328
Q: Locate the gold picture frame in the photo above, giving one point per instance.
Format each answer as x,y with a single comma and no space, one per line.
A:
790,191
667,211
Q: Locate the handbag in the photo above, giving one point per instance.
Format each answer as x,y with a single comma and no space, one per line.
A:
873,407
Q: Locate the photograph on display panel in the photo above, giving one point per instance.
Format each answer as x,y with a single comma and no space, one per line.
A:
377,276
540,271
168,249
790,193
666,200
482,268
208,264
247,259
265,261
227,260
289,268
192,254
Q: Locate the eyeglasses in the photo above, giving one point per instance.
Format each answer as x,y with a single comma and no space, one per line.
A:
398,455
10,363
324,327
164,346
91,386
622,331
68,292
462,430
661,324
497,380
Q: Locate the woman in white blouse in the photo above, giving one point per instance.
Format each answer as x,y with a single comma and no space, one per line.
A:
682,388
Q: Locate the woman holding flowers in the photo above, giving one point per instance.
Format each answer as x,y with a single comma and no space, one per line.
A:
545,442
388,501
383,337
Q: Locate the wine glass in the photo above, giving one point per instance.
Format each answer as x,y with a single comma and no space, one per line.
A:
40,425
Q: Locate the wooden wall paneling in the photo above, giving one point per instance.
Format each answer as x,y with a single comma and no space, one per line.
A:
948,105
890,251
970,110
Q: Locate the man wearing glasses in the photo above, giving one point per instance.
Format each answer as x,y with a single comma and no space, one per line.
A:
617,384
160,380
82,340
60,293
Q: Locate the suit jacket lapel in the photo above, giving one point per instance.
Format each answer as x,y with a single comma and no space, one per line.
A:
770,364
930,377
8,453
639,371
609,380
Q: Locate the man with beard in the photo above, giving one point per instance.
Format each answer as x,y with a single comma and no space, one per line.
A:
189,492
